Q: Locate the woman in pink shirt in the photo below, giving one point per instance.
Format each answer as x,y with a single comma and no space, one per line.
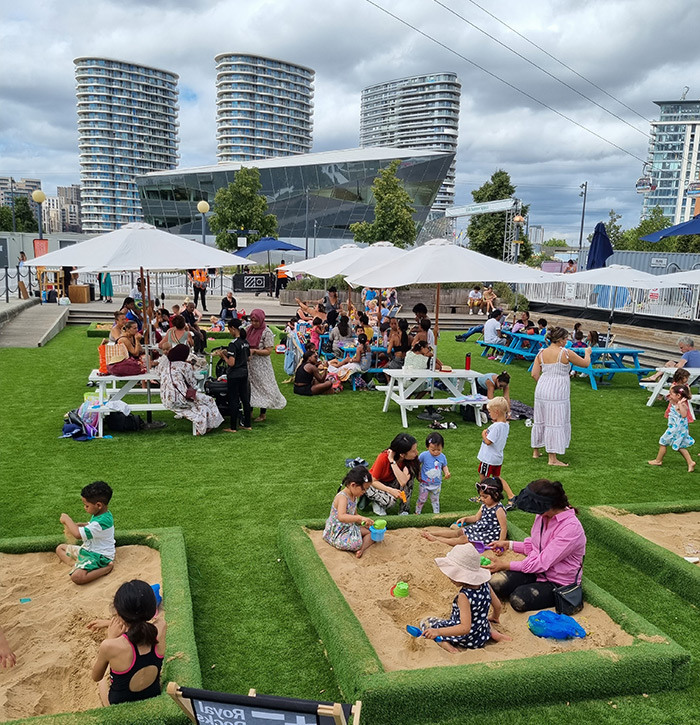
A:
554,550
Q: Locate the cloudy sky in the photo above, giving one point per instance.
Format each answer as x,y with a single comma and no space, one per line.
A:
636,50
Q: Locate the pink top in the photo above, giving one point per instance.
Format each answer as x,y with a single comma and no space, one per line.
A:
558,554
315,336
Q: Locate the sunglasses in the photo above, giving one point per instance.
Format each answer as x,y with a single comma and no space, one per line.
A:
485,487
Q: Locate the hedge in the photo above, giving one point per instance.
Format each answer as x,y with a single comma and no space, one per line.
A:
418,696
668,569
183,668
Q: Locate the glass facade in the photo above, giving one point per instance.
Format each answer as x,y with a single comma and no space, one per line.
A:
674,155
264,107
127,126
338,185
420,112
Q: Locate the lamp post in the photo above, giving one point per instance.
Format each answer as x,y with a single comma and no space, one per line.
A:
203,208
306,223
39,197
584,194
518,219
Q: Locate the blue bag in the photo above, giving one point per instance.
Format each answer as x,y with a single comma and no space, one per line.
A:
556,626
290,361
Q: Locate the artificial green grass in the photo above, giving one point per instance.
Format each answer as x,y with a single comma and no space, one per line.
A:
229,492
181,661
653,663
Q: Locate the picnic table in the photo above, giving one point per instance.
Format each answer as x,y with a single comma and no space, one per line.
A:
606,362
114,387
405,383
518,345
376,351
661,387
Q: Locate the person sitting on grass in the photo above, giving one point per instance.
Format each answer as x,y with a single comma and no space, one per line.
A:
345,529
677,435
134,647
487,525
217,324
469,625
392,475
494,439
95,556
308,379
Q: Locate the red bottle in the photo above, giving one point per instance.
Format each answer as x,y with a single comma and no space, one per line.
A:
468,361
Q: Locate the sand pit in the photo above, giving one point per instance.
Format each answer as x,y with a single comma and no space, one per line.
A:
679,533
406,556
54,649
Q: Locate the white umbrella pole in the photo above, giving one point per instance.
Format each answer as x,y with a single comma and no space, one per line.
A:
610,319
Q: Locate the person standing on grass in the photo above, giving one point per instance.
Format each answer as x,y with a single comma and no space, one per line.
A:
236,357
677,435
433,468
551,426
264,391
494,439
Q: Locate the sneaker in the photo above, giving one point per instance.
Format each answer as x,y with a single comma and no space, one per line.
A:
510,506
474,499
403,513
452,426
379,510
427,416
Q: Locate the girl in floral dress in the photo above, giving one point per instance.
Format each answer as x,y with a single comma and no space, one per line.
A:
677,435
345,529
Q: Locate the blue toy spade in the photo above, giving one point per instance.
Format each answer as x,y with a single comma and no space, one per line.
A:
418,632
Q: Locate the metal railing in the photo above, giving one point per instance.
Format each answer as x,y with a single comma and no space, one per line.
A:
681,303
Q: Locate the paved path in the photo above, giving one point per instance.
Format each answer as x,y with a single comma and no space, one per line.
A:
34,326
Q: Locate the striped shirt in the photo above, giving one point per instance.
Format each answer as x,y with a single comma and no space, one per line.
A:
98,535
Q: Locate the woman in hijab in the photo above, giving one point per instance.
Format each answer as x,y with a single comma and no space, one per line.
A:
176,377
264,392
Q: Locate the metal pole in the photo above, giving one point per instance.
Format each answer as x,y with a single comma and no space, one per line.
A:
41,228
306,223
204,229
584,194
12,192
315,232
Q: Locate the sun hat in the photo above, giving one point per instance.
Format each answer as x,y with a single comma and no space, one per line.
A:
462,564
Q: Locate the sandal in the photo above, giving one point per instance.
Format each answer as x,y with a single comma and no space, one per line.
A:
452,426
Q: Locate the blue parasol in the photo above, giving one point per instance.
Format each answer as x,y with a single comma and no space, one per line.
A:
692,226
601,248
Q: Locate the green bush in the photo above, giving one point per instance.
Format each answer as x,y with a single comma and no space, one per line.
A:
307,283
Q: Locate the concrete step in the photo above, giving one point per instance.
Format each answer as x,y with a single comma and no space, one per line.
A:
34,327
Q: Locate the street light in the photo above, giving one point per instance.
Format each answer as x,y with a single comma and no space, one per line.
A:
518,219
584,194
203,208
39,197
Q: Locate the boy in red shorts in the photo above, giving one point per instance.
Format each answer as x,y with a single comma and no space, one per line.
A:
494,439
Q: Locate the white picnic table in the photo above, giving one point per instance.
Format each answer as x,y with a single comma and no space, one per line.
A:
405,383
661,387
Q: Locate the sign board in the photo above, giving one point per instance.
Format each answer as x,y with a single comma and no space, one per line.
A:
570,291
4,254
488,207
654,295
659,262
251,282
41,246
242,242
217,713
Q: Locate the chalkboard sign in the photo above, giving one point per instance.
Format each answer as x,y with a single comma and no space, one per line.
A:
251,282
206,707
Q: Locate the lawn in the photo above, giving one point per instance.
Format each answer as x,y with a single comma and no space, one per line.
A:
228,493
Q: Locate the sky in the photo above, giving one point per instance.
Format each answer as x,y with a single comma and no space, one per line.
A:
638,51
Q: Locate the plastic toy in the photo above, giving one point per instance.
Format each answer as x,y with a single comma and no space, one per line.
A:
478,545
418,632
156,591
380,524
399,590
485,561
555,626
402,496
377,534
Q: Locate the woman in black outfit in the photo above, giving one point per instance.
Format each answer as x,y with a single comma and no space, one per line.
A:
236,356
308,379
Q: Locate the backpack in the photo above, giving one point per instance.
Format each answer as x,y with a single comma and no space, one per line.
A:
119,423
86,430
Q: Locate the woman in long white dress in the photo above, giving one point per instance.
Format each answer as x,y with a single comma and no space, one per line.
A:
264,391
551,426
176,375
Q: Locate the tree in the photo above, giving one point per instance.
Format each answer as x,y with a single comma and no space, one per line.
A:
393,213
486,230
241,206
25,221
554,242
631,238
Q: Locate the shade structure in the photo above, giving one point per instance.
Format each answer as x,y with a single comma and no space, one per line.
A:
601,249
692,226
617,275
268,244
138,246
372,256
440,261
325,266
690,277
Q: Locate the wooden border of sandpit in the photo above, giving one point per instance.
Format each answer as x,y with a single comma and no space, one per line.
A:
653,663
181,659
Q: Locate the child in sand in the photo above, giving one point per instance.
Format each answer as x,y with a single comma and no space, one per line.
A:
345,529
469,624
433,468
494,439
488,525
134,647
95,557
676,434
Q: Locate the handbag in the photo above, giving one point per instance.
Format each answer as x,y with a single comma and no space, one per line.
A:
568,599
190,392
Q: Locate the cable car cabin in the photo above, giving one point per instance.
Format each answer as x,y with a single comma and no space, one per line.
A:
693,189
644,185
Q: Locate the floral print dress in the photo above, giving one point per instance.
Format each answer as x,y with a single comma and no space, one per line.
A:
676,435
347,537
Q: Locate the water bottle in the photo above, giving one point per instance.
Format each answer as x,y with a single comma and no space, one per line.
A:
468,361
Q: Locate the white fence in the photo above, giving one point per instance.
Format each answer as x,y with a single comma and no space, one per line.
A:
680,303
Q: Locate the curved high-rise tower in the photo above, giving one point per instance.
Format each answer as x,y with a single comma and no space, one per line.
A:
264,107
420,112
127,126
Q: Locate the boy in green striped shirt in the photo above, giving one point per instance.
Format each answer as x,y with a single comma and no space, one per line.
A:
95,556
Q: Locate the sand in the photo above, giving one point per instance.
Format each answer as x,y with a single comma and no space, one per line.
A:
404,555
54,650
679,533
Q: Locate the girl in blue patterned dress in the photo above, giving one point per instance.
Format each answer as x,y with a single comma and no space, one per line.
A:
677,435
488,525
345,529
469,625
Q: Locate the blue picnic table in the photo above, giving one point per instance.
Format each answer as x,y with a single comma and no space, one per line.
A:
515,345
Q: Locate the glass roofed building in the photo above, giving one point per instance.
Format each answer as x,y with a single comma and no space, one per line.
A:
336,186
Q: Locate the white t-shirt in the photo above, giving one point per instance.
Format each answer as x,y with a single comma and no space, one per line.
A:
491,329
475,295
493,454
